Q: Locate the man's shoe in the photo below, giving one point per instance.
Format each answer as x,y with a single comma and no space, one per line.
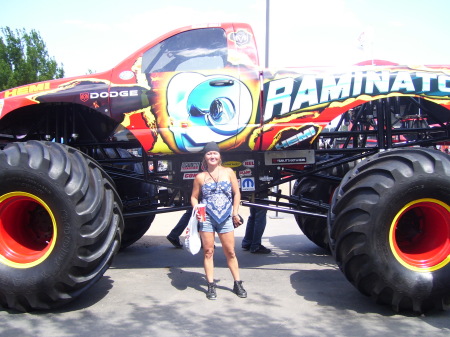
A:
176,242
239,290
261,250
245,247
211,293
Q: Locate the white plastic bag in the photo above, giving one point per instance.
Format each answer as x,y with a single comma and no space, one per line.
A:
192,240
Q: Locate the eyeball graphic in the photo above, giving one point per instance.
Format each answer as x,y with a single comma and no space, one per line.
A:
216,108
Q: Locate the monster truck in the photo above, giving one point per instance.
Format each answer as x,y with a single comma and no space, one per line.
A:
87,162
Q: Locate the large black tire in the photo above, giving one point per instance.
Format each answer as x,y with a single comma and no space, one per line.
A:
60,224
135,227
314,228
390,228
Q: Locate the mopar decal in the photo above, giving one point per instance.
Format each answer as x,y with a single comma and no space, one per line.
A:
248,184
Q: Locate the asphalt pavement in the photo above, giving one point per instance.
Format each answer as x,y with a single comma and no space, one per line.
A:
154,289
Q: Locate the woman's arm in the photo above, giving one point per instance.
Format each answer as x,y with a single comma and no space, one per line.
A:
236,193
196,190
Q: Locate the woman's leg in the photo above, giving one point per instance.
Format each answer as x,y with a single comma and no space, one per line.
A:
208,254
227,240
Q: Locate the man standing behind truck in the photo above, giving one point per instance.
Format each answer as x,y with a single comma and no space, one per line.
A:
256,224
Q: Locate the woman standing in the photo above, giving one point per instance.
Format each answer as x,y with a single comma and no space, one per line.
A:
219,188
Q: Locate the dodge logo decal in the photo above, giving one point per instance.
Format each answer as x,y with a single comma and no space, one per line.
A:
84,96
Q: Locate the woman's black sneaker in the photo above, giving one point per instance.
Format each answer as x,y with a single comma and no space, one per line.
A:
211,293
239,290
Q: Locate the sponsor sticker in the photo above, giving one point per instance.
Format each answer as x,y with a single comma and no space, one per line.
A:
245,173
126,75
28,89
84,96
190,166
232,164
189,176
242,37
249,163
248,184
288,160
289,157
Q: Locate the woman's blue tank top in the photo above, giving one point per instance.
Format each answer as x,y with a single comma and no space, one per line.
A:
217,197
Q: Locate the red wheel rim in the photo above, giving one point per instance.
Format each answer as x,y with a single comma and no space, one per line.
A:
420,235
27,230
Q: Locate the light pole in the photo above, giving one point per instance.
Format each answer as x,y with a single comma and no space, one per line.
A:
267,34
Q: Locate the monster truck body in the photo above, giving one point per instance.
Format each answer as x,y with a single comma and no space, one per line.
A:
87,162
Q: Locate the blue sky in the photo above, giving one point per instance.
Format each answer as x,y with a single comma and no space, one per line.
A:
97,35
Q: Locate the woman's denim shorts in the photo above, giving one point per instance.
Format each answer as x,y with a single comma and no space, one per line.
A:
211,225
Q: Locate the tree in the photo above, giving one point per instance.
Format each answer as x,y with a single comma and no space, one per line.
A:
24,59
